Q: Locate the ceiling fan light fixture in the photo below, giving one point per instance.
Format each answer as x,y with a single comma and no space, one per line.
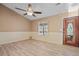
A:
29,13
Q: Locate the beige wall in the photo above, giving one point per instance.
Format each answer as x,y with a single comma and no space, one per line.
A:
13,27
8,37
54,22
55,27
10,21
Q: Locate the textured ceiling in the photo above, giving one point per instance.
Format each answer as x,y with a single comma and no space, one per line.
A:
47,9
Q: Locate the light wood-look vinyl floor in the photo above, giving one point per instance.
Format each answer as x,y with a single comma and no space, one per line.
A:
37,48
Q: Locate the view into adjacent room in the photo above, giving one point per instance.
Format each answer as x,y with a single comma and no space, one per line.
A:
39,29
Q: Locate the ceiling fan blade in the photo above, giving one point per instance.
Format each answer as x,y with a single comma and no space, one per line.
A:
25,14
20,9
37,12
34,15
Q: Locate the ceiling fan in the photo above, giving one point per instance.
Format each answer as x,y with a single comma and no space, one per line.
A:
29,11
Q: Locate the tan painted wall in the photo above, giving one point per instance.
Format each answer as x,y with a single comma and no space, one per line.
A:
55,27
54,22
13,27
10,21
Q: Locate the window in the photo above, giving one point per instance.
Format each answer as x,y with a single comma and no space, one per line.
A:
70,31
43,29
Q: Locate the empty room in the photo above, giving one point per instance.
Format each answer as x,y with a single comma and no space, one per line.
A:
39,29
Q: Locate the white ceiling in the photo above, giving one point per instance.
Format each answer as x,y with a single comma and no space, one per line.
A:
47,9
